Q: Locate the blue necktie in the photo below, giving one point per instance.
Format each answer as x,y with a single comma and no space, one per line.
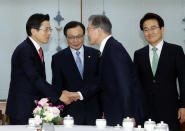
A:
79,63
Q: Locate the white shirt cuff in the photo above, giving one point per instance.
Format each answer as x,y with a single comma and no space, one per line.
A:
80,94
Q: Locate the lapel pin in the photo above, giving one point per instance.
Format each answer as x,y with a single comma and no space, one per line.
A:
89,56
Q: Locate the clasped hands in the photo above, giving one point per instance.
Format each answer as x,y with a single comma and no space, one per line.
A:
68,97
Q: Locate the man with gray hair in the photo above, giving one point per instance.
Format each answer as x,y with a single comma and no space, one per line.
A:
121,94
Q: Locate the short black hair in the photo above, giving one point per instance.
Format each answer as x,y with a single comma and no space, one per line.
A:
149,16
73,24
35,22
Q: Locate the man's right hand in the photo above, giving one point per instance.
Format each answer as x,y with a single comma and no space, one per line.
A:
65,97
68,97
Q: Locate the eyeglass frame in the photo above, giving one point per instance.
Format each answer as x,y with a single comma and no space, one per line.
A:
90,28
151,28
78,37
45,30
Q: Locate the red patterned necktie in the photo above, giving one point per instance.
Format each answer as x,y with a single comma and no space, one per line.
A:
41,54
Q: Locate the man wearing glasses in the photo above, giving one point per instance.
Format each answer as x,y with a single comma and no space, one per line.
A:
28,79
159,64
75,74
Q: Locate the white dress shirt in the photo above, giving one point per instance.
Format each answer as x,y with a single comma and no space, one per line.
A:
102,45
37,46
159,48
81,50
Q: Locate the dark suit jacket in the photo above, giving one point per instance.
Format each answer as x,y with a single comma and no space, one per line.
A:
67,77
28,82
121,91
161,89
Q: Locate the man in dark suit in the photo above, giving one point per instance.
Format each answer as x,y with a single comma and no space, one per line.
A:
121,93
28,79
159,64
75,71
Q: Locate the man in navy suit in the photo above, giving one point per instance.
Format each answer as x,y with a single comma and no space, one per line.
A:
28,79
75,72
159,64
121,93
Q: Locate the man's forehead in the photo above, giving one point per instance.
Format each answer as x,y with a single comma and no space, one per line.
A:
45,23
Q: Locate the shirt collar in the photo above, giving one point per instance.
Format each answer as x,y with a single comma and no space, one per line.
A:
37,46
81,50
158,46
102,45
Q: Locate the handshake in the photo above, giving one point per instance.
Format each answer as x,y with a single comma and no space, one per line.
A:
68,97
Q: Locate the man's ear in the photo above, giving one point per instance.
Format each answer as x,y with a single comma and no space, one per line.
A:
33,31
99,29
162,29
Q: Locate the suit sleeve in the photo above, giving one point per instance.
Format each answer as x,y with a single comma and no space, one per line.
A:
136,65
91,88
180,64
28,66
57,81
135,61
57,78
130,91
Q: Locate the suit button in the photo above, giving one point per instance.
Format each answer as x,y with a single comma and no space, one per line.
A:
154,81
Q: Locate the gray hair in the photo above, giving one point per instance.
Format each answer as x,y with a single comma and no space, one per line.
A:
101,21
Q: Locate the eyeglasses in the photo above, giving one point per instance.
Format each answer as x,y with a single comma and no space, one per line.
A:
78,37
45,30
153,28
91,28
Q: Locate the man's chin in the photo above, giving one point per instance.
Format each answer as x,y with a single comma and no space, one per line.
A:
91,43
76,47
45,42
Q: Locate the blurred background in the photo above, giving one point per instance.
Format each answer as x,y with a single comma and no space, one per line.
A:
125,16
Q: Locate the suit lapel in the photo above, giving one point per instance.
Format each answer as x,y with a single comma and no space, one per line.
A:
147,58
71,61
161,58
105,55
87,58
37,57
36,54
106,48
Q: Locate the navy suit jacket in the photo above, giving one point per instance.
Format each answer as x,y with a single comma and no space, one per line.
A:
67,77
28,82
161,90
121,92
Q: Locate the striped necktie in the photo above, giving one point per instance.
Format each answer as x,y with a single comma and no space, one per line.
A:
79,63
